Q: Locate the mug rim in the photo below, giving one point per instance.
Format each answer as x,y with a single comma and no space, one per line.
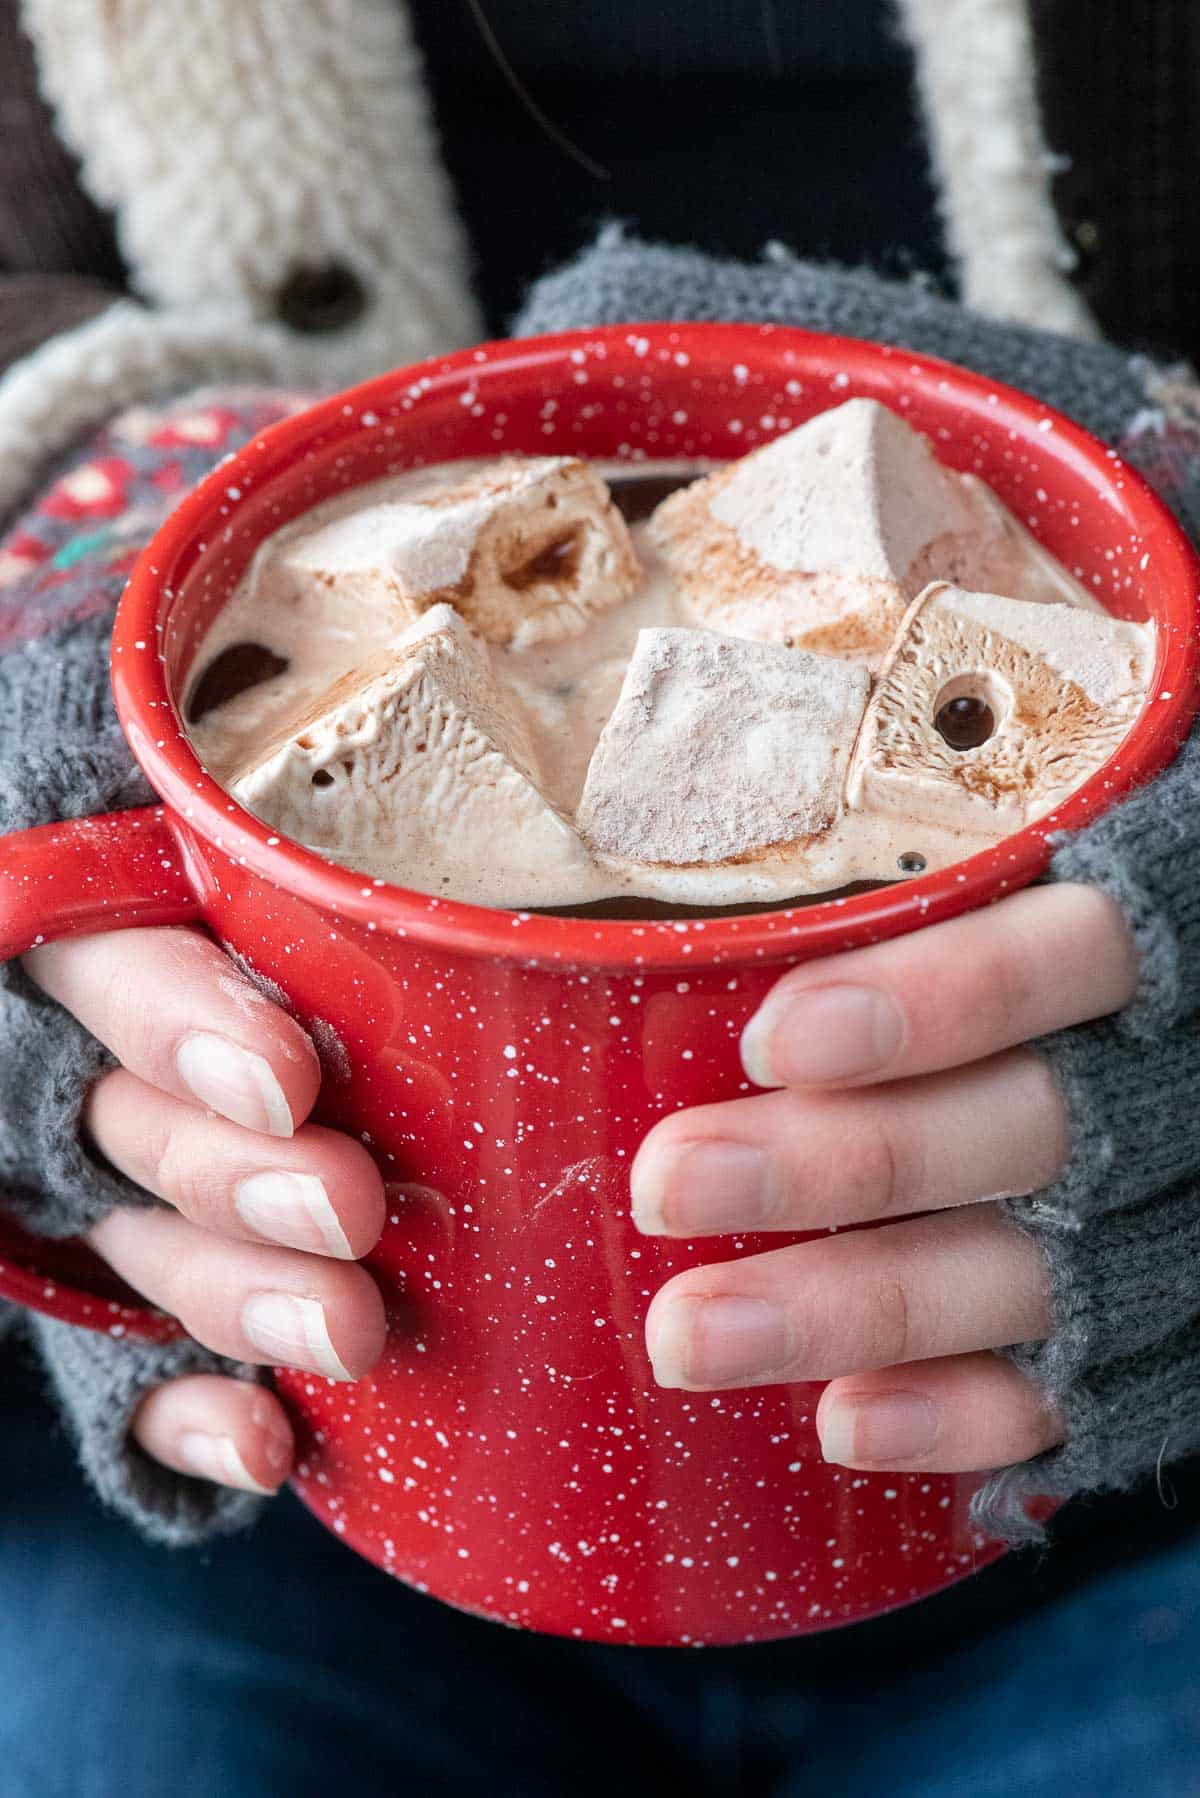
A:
191,794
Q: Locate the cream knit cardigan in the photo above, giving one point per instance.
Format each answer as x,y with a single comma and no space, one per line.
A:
235,139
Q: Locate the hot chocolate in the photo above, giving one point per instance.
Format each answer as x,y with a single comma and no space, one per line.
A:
540,683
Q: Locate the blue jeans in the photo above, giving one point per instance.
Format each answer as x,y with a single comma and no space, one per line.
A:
277,1665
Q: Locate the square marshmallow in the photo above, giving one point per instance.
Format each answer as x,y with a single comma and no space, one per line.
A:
720,750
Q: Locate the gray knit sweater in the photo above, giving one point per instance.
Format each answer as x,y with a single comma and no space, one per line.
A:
1118,1231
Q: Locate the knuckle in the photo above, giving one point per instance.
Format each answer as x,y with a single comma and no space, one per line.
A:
160,1275
1001,986
144,1246
193,1180
137,990
865,1168
126,1020
886,1320
178,1175
178,1290
199,1284
670,1136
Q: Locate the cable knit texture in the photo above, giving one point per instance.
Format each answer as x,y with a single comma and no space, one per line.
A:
238,145
270,136
1116,1231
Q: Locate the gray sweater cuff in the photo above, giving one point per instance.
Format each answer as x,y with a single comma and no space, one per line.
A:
1120,1232
1125,1418
99,1383
1143,855
52,1180
48,1062
1120,1235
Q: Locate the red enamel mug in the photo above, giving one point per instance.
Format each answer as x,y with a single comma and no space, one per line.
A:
510,1453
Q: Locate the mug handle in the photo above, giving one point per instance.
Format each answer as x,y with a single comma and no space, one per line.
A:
105,873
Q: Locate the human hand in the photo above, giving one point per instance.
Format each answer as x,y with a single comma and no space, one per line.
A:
266,1215
904,1090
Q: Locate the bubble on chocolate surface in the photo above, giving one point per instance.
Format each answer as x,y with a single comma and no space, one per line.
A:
636,496
966,722
911,862
233,672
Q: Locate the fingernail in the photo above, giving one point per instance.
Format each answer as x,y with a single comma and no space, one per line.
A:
827,1033
696,1343
235,1082
279,1444
278,1451
293,1209
216,1458
292,1332
707,1188
878,1432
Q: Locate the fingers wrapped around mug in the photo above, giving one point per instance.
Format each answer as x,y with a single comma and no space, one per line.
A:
1038,961
904,1093
318,1190
945,1284
1075,1144
214,1427
895,1319
819,1160
177,1013
246,1301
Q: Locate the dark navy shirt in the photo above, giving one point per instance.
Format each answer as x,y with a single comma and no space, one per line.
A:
719,123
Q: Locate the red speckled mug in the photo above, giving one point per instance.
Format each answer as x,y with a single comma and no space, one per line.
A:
510,1453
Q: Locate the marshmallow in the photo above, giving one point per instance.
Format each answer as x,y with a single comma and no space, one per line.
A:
720,750
821,538
526,549
410,763
988,711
